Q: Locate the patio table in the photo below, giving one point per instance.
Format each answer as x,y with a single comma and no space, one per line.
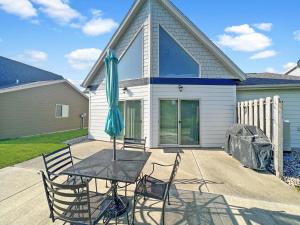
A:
126,168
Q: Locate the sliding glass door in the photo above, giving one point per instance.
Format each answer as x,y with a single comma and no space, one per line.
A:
132,117
179,122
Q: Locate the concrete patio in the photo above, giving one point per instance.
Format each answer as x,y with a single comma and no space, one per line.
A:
210,188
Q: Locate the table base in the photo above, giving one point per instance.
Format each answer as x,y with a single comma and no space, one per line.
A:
118,206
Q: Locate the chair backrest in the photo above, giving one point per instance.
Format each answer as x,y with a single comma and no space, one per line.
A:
69,203
174,170
57,161
134,143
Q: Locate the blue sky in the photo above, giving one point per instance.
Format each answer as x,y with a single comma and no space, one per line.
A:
66,36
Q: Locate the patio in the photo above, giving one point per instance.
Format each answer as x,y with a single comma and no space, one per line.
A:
210,188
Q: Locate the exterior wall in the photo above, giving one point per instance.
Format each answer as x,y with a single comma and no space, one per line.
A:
291,107
141,20
217,110
211,67
32,111
99,109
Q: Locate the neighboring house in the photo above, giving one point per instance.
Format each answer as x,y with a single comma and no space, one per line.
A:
295,71
177,88
35,101
261,85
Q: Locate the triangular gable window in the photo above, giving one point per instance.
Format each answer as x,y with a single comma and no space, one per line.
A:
174,61
131,63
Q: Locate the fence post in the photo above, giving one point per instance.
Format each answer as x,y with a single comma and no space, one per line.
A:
268,117
242,113
261,114
239,113
251,122
255,113
278,137
246,113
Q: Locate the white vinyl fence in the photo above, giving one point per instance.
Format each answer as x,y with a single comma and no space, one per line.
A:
265,113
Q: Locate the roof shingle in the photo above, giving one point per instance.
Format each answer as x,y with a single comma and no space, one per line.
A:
13,73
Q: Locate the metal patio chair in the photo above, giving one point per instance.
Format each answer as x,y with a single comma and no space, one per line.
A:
82,207
136,144
59,160
150,187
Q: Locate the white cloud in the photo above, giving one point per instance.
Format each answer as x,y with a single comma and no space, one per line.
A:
264,54
83,58
77,83
297,35
98,25
58,10
271,70
264,26
240,29
289,65
21,8
33,56
249,42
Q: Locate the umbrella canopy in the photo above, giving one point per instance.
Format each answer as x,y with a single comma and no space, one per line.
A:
114,122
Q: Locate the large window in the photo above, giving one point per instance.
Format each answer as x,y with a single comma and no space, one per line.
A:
131,63
174,61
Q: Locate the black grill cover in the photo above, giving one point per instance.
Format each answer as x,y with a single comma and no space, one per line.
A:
249,145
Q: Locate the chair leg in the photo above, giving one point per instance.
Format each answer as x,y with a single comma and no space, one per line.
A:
127,217
106,184
133,209
169,199
163,212
96,185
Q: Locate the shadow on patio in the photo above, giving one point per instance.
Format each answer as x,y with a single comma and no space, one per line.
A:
195,208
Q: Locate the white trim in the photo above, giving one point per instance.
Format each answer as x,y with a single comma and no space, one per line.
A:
201,36
40,84
181,46
266,87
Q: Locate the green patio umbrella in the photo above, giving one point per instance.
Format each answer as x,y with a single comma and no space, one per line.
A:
114,122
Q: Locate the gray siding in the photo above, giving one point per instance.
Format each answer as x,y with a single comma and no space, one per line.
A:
291,107
32,111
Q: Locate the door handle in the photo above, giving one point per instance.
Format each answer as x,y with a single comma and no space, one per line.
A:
179,121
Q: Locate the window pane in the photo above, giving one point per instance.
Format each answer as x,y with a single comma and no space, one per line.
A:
133,119
131,64
168,122
58,111
121,108
189,122
173,60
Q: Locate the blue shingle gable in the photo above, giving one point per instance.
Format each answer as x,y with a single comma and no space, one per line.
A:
11,71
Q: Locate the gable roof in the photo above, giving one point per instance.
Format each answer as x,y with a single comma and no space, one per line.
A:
256,80
13,73
186,22
40,84
293,68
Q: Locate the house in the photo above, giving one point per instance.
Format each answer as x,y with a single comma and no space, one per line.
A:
35,101
177,88
261,85
294,71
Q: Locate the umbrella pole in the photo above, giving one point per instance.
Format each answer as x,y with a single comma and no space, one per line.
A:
114,149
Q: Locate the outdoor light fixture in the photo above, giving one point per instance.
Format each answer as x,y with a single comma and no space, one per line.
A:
180,88
125,89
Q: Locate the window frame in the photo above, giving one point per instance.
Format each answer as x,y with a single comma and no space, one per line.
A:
141,29
62,108
183,48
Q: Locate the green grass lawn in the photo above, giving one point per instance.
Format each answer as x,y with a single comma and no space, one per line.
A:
21,149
